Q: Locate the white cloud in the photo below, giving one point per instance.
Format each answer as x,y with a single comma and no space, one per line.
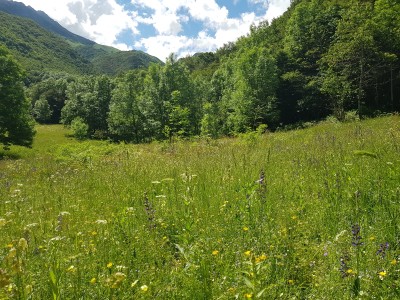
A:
98,20
104,20
276,8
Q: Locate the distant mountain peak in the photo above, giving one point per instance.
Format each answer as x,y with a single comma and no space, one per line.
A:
41,18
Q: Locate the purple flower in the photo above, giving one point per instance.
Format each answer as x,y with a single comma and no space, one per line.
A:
382,250
355,230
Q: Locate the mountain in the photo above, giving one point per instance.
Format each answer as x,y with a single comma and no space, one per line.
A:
39,50
42,19
40,43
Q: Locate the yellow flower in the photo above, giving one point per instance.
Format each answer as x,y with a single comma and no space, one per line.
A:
93,280
71,269
247,253
371,238
248,296
109,265
290,281
349,271
245,228
144,288
215,252
382,274
261,258
394,262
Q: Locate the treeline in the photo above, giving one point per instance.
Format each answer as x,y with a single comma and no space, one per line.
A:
320,58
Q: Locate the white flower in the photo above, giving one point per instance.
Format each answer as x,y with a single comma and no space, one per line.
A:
101,222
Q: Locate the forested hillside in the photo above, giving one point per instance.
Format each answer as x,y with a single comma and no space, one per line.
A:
43,45
37,49
320,58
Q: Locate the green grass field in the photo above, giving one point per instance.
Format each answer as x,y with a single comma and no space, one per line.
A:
305,214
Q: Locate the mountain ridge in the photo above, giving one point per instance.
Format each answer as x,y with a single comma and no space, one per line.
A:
90,57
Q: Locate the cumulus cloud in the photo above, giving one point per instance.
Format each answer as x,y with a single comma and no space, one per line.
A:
104,20
98,20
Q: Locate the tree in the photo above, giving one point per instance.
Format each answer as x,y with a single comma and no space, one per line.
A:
16,123
42,111
125,120
350,64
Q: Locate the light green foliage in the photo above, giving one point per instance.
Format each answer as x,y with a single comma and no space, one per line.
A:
88,98
273,218
126,120
42,111
79,128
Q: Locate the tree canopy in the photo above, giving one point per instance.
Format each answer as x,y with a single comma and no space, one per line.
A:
319,58
16,123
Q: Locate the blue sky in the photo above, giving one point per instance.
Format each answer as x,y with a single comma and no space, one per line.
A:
161,27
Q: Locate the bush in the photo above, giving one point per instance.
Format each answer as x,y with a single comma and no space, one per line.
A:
79,128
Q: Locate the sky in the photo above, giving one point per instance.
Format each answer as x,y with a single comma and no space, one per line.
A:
161,27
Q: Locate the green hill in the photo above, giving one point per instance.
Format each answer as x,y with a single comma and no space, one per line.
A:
37,49
117,62
41,44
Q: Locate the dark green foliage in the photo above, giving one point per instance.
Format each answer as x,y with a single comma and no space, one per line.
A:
16,123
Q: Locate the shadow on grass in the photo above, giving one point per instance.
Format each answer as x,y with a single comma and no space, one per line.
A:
6,154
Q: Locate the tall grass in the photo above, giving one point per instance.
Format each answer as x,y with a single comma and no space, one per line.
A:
307,214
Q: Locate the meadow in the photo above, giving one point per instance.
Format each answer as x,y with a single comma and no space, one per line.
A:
303,214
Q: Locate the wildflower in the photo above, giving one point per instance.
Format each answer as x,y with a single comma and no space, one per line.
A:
101,222
12,253
71,269
382,250
93,280
248,296
393,262
245,228
29,226
133,284
144,288
116,279
215,252
291,281
119,276
349,271
22,244
261,180
247,253
261,258
120,268
344,268
382,275
109,265
355,230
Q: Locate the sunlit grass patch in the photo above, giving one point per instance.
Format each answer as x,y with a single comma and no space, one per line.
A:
301,214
